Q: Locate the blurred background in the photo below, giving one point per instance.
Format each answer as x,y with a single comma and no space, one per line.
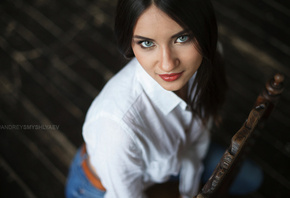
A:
55,57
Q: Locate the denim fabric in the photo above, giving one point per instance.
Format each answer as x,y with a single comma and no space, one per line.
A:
248,180
78,185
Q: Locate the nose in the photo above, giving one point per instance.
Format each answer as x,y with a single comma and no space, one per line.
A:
168,59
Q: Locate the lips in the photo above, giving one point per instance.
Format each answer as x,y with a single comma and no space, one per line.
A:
170,77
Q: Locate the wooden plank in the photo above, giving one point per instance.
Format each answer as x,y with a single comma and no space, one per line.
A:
34,116
11,183
32,170
245,30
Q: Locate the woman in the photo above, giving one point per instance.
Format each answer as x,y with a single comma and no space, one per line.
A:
152,119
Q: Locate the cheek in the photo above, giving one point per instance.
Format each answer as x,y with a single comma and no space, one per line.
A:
138,54
141,58
191,57
145,58
197,59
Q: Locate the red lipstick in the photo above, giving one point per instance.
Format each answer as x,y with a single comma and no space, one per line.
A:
170,77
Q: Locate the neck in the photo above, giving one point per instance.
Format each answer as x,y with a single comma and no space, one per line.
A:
182,93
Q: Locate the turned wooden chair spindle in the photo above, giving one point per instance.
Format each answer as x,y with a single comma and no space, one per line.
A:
226,170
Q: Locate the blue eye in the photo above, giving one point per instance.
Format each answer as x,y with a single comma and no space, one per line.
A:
182,39
147,44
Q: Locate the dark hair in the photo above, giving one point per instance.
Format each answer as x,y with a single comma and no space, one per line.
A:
198,17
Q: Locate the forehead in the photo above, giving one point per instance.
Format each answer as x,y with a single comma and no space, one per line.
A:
154,22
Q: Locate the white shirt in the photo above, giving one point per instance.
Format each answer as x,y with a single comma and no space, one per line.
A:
138,134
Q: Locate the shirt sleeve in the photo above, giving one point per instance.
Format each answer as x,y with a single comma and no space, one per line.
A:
114,155
192,166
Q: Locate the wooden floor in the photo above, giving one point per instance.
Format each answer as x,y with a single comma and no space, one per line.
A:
57,55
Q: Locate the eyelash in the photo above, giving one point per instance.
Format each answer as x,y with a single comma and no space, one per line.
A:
142,41
188,38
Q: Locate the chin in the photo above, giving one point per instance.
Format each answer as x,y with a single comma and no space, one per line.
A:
171,87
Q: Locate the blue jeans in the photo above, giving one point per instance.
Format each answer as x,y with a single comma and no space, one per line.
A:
248,179
78,185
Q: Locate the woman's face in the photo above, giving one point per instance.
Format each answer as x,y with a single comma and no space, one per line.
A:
165,50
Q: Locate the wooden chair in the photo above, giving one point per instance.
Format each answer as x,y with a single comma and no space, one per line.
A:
225,171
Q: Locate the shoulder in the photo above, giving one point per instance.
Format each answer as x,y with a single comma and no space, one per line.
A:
118,95
113,104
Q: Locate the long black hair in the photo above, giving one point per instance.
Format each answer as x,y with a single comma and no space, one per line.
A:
198,17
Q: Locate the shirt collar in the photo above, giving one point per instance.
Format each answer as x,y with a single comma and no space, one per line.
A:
165,100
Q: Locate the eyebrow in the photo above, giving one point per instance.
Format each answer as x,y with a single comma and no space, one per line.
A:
142,38
179,33
149,39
